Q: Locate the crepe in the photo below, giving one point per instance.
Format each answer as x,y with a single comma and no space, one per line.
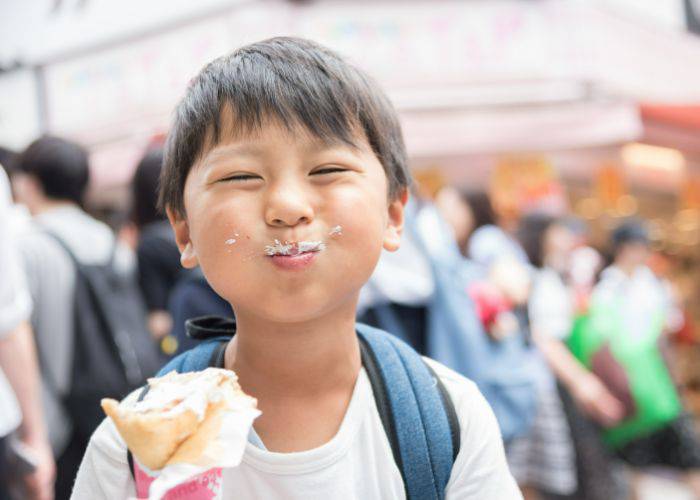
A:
180,419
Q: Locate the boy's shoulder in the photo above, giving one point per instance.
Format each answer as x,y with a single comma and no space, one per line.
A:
480,470
466,397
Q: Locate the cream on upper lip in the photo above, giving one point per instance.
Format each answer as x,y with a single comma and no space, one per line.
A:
293,248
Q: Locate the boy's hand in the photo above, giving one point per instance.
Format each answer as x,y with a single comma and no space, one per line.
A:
39,485
597,401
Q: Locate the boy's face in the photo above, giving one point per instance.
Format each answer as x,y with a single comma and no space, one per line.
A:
276,192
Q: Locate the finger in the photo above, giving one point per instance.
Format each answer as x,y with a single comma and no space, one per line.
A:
610,411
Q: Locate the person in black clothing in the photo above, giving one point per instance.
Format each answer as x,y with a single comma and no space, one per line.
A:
172,294
193,297
157,254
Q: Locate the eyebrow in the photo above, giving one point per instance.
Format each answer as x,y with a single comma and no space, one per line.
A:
220,152
315,145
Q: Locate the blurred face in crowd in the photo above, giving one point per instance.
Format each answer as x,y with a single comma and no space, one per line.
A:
284,226
632,255
557,246
457,213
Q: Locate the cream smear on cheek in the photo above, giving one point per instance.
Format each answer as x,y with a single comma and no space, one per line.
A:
233,240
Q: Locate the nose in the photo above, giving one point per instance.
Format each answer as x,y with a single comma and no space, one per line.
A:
287,206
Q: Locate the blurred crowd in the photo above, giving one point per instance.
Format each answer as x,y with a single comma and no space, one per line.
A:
569,343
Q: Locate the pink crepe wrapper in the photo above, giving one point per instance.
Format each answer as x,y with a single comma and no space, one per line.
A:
202,480
206,485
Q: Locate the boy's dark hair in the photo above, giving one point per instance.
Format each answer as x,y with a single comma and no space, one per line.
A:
144,188
60,166
294,81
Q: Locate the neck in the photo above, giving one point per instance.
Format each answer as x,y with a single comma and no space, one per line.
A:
46,205
302,358
626,267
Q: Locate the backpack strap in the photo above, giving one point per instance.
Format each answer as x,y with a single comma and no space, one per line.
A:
418,417
196,359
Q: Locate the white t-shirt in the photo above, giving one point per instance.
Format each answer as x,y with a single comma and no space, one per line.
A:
551,305
356,464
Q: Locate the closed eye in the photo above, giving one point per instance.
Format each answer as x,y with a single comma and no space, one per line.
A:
328,170
240,178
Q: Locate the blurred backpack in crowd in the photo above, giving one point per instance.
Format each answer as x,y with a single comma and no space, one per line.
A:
114,352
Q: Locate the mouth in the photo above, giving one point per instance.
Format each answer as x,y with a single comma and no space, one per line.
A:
293,249
295,256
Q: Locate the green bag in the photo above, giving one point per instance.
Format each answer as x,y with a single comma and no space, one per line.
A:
631,366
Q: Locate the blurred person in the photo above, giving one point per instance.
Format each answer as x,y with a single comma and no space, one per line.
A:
192,298
156,251
27,463
462,216
500,297
643,301
502,285
397,296
172,294
488,240
420,293
545,461
57,247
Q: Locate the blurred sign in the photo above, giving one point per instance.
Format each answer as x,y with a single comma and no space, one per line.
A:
609,185
19,109
526,184
442,41
131,82
690,195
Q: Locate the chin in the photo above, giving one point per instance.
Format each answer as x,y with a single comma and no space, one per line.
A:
300,309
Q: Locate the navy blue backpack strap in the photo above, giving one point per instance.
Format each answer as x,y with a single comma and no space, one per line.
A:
195,359
418,416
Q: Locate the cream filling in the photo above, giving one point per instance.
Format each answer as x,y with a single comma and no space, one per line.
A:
175,393
286,248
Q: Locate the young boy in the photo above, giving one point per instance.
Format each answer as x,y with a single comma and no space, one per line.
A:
284,142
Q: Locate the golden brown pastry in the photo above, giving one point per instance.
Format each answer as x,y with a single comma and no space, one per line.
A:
179,418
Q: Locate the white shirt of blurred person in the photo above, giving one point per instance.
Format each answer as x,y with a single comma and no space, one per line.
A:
644,292
19,376
51,180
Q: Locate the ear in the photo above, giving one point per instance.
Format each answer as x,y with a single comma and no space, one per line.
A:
188,255
27,190
394,227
